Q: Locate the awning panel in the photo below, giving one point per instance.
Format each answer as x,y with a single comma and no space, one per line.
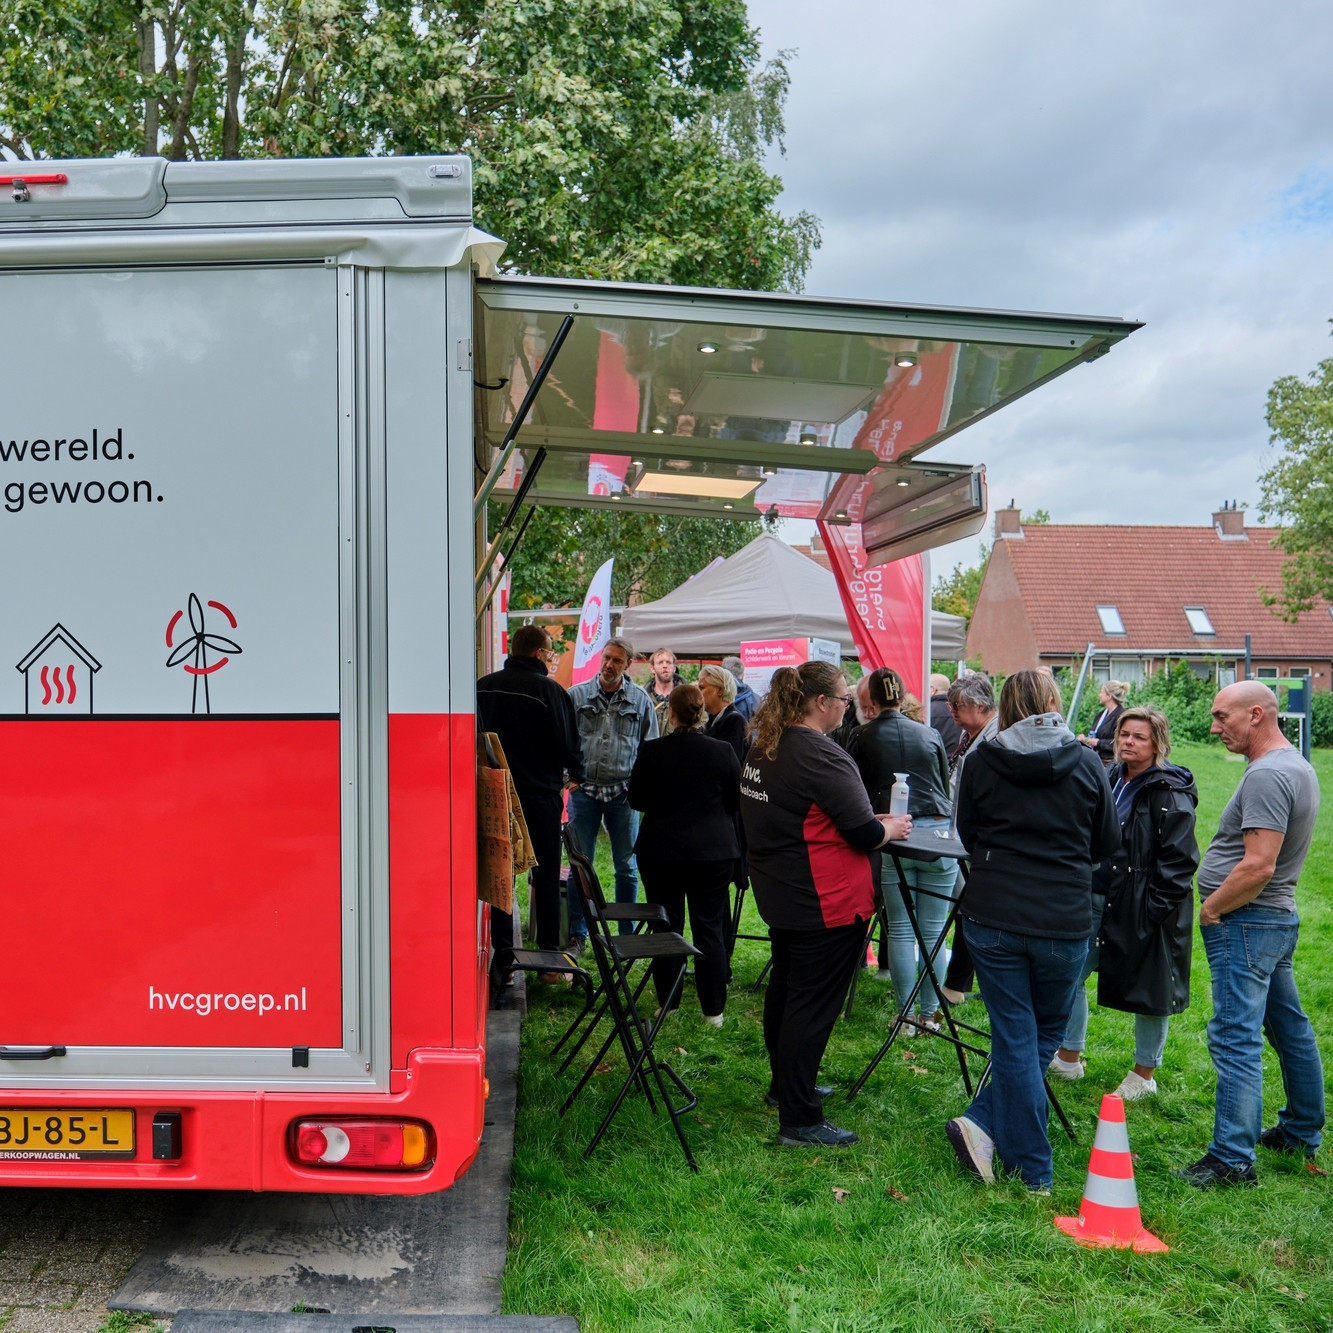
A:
736,404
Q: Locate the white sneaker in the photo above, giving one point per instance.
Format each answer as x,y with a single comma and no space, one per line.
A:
973,1147
714,1020
1067,1069
1134,1087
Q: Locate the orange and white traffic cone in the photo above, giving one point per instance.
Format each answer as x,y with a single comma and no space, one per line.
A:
1109,1214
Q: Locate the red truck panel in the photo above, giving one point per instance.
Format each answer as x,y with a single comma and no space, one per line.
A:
172,882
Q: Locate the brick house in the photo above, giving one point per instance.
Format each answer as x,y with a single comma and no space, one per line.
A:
1142,596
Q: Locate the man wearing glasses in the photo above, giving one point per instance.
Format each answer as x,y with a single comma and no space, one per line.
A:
536,723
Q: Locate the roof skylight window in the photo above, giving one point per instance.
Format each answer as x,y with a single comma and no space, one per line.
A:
1110,618
1199,621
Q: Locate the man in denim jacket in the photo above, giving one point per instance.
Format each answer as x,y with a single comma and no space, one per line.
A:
615,716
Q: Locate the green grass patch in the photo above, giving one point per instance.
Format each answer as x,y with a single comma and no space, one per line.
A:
765,1238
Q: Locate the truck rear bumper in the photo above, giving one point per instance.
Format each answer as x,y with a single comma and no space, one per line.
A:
239,1140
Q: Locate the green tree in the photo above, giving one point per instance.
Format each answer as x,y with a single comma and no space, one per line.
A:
562,549
957,592
1298,488
612,138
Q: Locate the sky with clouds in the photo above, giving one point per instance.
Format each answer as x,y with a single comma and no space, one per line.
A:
1169,162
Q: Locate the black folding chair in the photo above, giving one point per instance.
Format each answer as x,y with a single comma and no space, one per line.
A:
615,954
651,915
548,960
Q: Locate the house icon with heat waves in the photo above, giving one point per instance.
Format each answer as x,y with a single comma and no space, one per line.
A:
58,676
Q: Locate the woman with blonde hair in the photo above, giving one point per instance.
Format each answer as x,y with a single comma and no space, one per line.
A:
1143,907
1035,814
1101,736
724,722
810,830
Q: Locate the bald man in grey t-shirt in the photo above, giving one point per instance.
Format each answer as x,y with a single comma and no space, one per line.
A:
1247,884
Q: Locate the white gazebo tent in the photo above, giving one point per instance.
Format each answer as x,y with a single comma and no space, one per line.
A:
765,591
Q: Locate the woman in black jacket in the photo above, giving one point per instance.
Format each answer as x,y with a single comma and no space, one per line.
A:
688,787
724,722
889,744
1141,946
1101,736
1035,814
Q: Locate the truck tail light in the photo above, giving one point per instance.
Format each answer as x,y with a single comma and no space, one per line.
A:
363,1145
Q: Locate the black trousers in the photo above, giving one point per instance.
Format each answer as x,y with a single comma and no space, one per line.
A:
811,972
705,886
542,811
961,974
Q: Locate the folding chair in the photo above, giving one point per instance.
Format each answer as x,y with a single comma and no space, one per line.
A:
548,960
615,954
651,915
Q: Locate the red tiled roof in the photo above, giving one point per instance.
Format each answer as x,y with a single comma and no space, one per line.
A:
1065,571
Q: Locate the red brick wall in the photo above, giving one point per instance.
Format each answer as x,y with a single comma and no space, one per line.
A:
1000,633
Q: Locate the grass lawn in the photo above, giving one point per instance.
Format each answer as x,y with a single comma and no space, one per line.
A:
892,1234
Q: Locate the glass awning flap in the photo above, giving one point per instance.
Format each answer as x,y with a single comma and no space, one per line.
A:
736,404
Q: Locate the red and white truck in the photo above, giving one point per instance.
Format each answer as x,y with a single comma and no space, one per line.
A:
253,412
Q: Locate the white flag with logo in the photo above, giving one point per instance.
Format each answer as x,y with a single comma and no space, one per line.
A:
594,626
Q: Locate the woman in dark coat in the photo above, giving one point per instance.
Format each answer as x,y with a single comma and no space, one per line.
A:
889,744
1141,948
1035,814
688,787
1101,736
725,721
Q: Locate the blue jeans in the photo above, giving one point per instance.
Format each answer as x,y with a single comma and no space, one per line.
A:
586,816
1149,1029
1254,995
940,877
1028,984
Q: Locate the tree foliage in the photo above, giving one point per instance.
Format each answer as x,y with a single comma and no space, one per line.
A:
1298,488
612,138
957,592
563,548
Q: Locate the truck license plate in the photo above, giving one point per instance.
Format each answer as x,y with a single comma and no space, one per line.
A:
42,1134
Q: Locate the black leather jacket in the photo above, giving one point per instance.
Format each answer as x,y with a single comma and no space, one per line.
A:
892,743
1147,931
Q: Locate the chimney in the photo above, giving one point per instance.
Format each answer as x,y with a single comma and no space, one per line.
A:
1229,522
1009,522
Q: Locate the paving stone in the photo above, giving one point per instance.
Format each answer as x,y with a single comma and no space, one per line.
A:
43,1295
55,1321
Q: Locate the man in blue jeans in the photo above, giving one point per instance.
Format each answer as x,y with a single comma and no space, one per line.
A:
614,718
1248,920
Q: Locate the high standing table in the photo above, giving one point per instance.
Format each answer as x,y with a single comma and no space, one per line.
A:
921,844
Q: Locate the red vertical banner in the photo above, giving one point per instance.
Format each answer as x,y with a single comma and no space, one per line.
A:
616,407
885,605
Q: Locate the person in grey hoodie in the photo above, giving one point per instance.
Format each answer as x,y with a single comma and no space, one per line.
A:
1035,813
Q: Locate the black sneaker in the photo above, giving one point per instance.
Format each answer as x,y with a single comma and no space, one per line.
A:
822,1090
1209,1171
1276,1140
574,949
822,1135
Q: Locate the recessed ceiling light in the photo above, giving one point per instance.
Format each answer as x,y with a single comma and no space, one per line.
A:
773,472
728,505
842,513
615,495
809,437
708,348
904,482
905,359
679,464
658,430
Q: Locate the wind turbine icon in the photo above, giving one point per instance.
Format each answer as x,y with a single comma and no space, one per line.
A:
192,653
